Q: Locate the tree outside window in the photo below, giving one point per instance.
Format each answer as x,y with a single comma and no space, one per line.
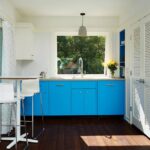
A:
71,48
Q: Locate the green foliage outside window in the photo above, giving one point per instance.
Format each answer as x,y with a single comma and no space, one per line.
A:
71,48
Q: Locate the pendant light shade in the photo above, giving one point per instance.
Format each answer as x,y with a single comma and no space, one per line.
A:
82,29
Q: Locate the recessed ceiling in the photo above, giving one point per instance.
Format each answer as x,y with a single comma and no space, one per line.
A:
72,7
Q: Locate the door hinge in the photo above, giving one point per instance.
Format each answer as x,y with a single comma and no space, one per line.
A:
130,73
131,108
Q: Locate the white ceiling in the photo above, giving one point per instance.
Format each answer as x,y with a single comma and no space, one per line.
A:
73,7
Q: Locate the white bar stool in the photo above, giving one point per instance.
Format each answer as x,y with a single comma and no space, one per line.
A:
29,89
7,97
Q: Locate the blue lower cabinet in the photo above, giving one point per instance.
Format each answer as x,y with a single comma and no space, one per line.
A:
84,102
28,106
59,98
37,102
111,97
64,98
37,105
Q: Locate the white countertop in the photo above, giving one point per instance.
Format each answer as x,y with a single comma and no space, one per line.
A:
79,77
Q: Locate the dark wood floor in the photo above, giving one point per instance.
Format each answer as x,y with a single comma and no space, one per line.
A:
87,134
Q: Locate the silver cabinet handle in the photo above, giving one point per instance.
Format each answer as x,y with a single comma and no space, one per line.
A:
60,85
108,84
141,81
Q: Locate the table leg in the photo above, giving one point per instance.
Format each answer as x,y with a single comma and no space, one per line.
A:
20,138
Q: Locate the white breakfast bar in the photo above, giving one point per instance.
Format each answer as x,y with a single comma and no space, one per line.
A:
18,84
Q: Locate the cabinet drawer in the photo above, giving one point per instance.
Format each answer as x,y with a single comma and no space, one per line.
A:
59,84
84,84
110,83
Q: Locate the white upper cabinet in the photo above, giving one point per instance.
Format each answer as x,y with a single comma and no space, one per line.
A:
24,41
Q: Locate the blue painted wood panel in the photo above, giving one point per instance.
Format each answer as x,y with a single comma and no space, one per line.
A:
37,103
90,101
77,103
62,98
111,97
59,98
84,102
84,84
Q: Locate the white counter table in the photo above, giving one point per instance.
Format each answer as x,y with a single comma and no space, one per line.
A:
18,84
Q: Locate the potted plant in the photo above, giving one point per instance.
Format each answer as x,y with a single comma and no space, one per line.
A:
112,66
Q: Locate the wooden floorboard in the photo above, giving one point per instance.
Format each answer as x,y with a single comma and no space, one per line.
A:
83,133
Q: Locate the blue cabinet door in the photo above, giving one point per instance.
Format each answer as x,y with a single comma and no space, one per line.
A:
59,98
38,105
90,101
77,104
84,102
111,97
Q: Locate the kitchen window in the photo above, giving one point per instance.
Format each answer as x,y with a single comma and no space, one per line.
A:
73,52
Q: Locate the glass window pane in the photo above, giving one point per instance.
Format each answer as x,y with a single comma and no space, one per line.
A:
72,49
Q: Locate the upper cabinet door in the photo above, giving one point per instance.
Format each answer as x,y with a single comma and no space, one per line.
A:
24,42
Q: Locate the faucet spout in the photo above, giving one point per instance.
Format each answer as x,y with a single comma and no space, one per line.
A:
80,68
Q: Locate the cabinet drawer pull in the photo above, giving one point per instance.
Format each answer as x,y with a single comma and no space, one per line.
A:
60,85
108,84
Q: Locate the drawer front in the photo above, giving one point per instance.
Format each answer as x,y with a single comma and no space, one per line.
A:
110,83
59,84
84,84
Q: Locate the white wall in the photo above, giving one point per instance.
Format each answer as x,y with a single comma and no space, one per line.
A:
45,47
7,11
46,31
139,9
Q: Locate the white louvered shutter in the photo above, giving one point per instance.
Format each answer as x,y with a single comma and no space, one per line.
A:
138,87
147,72
137,52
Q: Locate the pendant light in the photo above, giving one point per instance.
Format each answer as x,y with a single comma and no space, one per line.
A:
82,29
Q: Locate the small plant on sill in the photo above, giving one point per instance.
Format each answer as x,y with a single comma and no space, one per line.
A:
112,66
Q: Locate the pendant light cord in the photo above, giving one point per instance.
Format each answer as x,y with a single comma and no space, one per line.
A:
82,14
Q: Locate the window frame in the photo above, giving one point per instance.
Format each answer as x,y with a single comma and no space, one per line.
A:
105,34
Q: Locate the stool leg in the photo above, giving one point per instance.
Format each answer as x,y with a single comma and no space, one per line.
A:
0,121
15,107
41,104
32,117
42,113
10,120
25,124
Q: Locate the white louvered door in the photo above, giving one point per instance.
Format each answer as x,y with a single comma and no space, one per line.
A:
141,76
146,24
138,87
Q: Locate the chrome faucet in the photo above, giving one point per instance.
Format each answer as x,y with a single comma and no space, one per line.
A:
80,69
